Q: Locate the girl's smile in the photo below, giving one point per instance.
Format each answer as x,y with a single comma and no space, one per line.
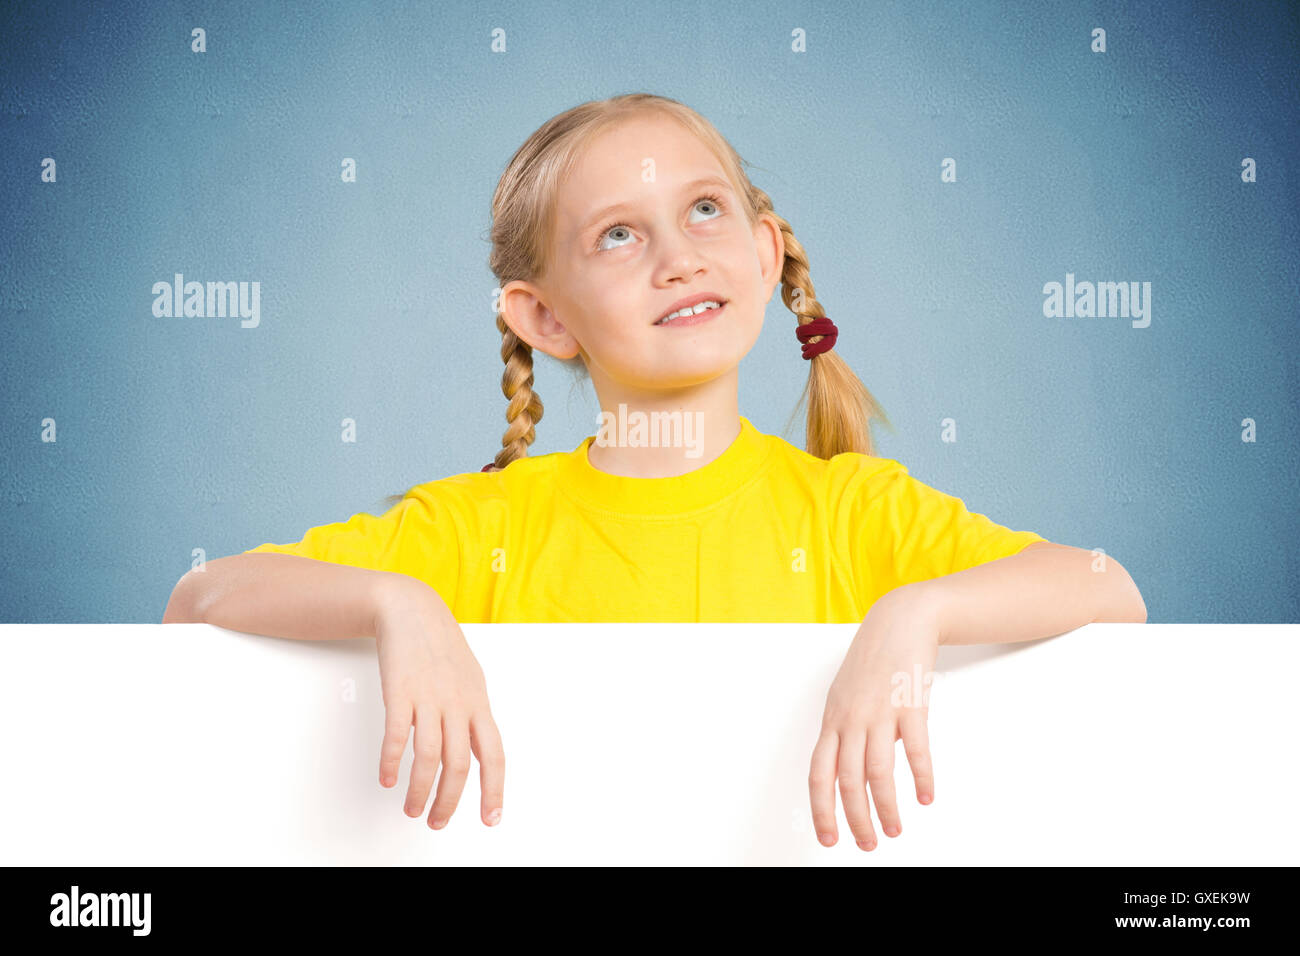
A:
706,306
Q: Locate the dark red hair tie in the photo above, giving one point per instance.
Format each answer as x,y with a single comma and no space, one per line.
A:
823,326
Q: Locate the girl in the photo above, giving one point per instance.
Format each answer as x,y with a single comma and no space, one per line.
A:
630,243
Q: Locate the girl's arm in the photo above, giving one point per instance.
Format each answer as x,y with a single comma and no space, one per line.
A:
429,678
283,595
881,693
1044,590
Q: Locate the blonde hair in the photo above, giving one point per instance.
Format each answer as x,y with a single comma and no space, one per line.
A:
840,408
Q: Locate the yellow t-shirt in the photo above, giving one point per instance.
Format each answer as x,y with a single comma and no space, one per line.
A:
765,532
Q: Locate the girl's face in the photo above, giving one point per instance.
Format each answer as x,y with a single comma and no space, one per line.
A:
678,231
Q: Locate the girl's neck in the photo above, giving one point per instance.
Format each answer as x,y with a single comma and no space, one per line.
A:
663,437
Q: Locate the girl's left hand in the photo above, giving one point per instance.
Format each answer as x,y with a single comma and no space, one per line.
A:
865,714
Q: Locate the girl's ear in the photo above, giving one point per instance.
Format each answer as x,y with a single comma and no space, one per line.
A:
530,318
770,244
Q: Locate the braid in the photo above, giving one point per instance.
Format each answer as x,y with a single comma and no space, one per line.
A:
525,408
840,407
797,290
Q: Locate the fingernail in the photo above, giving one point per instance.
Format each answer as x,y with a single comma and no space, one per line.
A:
827,839
388,781
867,844
494,817
891,830
926,798
438,824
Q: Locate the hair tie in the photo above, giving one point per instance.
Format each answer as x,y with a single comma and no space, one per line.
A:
491,464
822,326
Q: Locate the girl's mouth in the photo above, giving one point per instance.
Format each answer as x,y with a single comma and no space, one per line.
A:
694,318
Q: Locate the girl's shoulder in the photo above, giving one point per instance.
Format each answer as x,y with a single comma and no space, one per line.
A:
848,466
485,485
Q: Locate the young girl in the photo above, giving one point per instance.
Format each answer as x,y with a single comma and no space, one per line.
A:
629,242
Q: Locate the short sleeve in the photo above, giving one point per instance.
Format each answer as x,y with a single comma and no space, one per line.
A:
417,537
904,531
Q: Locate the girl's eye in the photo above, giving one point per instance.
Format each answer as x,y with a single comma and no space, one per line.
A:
625,230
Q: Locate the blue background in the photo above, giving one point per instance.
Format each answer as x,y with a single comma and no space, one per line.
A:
176,433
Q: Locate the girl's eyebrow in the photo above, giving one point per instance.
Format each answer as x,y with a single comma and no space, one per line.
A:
591,221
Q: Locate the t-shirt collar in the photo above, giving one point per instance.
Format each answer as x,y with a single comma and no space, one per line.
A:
705,486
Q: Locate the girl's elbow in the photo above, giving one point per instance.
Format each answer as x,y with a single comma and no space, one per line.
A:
181,606
1134,608
1119,598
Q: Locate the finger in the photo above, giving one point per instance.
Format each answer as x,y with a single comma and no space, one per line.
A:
853,788
880,774
455,769
821,786
916,743
485,740
397,726
428,747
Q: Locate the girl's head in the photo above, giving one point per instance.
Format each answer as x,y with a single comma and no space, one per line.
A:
586,283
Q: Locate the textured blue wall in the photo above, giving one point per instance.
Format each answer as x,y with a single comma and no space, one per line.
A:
175,433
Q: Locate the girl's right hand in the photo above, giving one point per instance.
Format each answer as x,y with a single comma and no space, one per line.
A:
431,679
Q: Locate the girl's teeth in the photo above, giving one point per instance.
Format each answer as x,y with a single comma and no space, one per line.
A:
696,310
